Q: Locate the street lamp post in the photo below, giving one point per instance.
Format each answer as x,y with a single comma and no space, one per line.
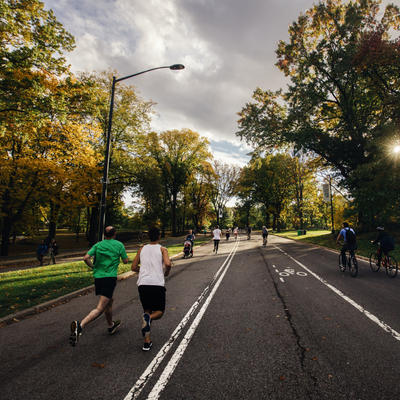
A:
107,156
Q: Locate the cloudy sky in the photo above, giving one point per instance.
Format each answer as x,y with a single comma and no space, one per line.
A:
227,47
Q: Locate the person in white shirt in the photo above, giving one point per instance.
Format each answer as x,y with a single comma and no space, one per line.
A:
217,237
151,281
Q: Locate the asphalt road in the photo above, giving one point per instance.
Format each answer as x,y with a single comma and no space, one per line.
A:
251,322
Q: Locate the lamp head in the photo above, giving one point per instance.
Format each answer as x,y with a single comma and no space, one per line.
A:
177,66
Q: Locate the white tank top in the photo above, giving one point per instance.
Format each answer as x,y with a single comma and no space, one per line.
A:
151,266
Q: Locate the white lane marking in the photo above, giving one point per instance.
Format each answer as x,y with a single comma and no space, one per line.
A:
141,382
282,279
372,317
169,369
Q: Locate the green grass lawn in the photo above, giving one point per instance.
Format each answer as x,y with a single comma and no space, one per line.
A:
25,288
326,239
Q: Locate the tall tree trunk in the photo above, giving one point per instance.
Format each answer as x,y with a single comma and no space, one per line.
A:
274,222
78,228
5,235
87,223
54,211
94,220
173,214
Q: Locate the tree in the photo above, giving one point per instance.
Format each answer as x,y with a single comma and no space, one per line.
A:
224,184
131,119
199,193
178,154
37,160
271,181
336,106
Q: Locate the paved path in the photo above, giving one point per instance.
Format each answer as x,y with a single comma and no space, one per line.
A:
251,322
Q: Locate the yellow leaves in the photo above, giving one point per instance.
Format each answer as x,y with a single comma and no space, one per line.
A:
100,366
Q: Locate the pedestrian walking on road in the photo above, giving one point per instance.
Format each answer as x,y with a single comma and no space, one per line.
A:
41,251
107,257
151,281
217,237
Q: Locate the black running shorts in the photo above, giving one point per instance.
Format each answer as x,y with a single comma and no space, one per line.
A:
152,297
105,286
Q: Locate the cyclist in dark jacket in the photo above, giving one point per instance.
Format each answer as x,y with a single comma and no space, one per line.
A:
386,243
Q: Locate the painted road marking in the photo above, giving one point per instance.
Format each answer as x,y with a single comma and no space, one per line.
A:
147,374
369,315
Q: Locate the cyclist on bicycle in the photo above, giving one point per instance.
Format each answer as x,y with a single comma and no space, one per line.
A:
386,243
264,235
350,243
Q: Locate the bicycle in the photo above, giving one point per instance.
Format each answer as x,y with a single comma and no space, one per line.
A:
389,262
351,263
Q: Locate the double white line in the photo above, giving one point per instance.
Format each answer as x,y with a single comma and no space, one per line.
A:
169,369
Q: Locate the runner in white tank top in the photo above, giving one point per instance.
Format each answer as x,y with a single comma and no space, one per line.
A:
151,282
151,266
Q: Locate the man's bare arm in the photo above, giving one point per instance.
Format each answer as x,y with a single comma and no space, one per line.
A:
136,261
88,261
166,260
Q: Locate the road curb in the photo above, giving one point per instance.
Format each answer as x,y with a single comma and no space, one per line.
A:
28,312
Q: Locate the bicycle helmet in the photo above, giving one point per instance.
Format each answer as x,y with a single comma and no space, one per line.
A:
380,228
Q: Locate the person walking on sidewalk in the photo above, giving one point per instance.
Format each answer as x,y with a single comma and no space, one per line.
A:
54,247
151,281
107,255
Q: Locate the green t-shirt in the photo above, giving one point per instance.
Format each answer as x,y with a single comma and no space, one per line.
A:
107,254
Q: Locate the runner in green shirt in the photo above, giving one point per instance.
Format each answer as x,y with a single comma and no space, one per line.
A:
107,258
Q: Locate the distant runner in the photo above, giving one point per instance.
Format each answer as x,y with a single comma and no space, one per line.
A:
217,237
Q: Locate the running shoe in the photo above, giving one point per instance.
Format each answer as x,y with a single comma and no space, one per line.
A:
117,323
146,346
76,331
146,325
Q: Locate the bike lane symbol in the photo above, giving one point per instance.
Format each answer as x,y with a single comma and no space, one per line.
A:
289,272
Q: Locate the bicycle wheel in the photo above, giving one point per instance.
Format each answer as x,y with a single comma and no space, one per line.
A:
341,267
353,265
391,269
373,259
